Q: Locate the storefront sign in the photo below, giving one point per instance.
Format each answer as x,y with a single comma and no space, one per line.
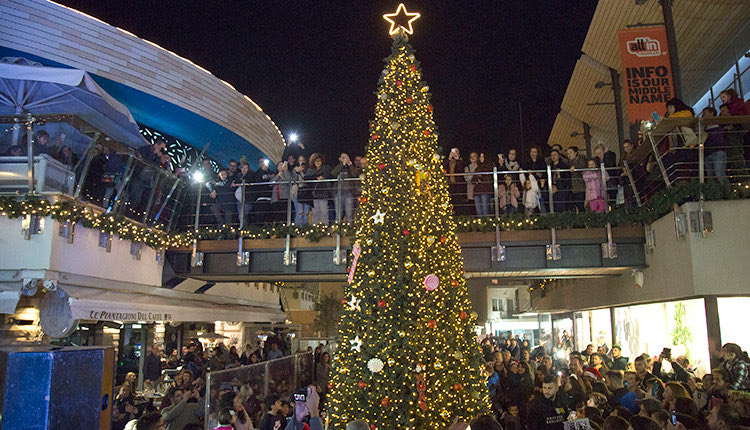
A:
646,70
129,316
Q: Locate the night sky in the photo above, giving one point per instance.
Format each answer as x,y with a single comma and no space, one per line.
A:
313,65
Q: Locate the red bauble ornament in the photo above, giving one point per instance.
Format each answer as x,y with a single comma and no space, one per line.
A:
426,132
431,323
413,67
454,283
362,384
330,385
462,315
463,272
429,108
381,166
443,239
406,232
381,303
385,402
398,82
375,137
409,100
372,125
458,387
343,301
363,199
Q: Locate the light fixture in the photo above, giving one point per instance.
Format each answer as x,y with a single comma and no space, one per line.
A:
601,84
640,2
575,134
198,176
293,137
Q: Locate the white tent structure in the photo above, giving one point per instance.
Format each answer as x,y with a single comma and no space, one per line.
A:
38,90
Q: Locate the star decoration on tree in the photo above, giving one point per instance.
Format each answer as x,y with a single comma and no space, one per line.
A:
353,304
393,17
356,344
379,217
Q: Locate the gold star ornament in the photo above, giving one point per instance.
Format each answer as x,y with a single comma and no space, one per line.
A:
401,15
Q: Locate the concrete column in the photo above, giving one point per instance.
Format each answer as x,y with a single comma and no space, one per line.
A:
713,329
612,326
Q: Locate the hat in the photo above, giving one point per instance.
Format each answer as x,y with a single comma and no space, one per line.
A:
630,402
592,373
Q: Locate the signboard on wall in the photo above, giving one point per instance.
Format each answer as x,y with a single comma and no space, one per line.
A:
647,72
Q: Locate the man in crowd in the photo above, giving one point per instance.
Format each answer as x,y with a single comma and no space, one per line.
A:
274,418
187,407
275,352
576,163
547,412
613,379
222,199
643,369
152,366
618,361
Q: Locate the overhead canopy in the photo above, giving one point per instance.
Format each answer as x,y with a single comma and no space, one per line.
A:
108,305
52,90
711,35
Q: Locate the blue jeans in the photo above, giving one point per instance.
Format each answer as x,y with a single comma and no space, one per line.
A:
344,204
716,165
302,212
482,204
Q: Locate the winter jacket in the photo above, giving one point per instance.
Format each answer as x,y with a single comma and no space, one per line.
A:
319,190
262,192
502,195
737,107
593,182
343,173
531,196
482,182
547,414
182,414
282,190
577,184
714,140
458,169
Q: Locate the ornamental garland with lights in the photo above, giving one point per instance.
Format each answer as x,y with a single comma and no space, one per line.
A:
657,206
407,356
64,211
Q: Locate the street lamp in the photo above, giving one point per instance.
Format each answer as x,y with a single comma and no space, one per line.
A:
293,137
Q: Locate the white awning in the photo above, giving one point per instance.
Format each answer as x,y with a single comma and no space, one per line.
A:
108,305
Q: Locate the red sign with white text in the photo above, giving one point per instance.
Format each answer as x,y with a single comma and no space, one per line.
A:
646,70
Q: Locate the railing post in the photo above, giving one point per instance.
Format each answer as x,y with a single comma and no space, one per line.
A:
86,165
608,249
553,250
497,251
30,151
265,380
129,169
243,257
154,188
658,159
207,406
632,183
701,176
197,257
289,257
338,259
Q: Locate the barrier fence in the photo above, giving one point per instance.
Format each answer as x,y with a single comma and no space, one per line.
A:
280,376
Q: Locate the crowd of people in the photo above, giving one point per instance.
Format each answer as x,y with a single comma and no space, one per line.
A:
238,194
178,380
541,389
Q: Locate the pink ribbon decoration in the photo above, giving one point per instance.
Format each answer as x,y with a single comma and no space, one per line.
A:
356,251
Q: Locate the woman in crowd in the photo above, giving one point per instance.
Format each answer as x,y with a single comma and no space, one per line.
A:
320,190
719,392
736,364
482,187
302,197
508,195
123,409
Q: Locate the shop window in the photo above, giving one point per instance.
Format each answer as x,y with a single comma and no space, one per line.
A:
497,304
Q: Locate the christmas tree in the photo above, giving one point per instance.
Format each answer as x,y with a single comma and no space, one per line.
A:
407,357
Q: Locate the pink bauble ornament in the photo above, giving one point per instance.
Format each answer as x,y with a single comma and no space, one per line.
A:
431,282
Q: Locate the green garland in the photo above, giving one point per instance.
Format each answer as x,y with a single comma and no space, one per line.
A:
65,211
657,206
